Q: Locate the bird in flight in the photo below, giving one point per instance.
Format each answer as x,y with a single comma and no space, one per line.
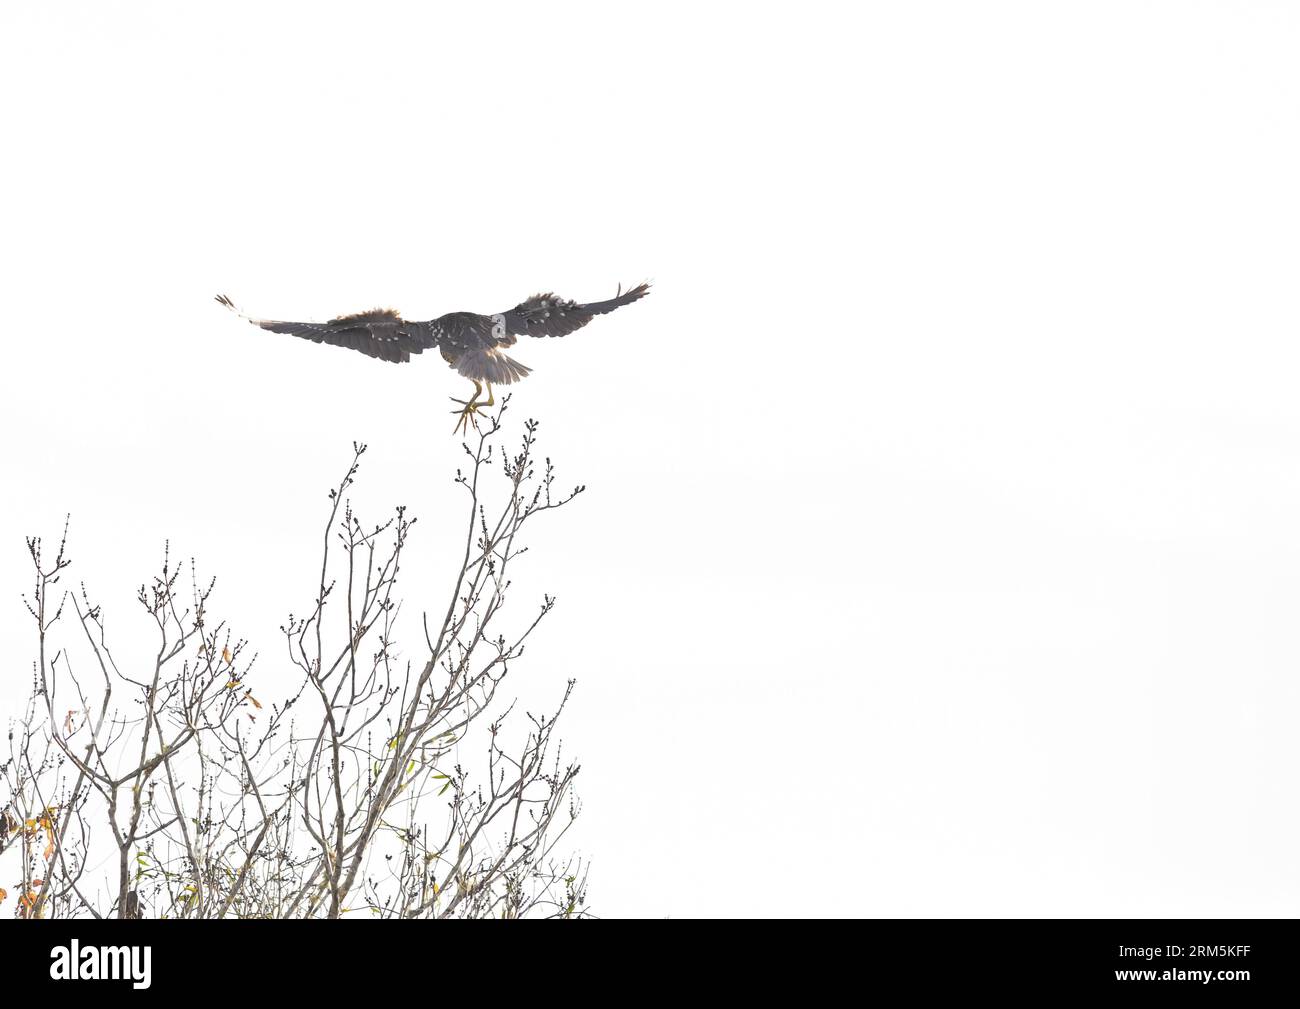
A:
470,343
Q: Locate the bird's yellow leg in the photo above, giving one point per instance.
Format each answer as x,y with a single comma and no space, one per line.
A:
470,406
478,389
490,400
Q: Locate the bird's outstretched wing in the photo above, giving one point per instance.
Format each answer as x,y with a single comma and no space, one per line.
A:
547,315
380,333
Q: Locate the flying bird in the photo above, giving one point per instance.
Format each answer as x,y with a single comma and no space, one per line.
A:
470,343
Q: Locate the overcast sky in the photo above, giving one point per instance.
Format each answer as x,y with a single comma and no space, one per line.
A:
942,548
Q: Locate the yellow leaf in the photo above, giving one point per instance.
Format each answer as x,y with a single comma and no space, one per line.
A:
225,654
27,902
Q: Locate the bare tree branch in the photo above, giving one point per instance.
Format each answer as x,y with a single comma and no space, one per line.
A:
382,784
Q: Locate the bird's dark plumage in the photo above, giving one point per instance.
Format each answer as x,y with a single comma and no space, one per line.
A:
469,342
547,315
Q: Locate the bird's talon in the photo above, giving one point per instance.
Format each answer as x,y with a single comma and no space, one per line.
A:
468,416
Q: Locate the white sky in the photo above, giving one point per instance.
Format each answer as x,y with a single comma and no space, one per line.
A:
942,548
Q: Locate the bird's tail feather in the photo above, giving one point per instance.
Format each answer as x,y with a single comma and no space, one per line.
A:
491,366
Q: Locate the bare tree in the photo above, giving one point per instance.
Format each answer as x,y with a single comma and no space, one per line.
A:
169,788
